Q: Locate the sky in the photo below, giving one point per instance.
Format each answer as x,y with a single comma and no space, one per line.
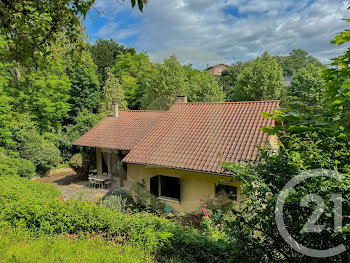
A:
207,32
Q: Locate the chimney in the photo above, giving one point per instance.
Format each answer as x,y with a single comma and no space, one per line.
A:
181,99
115,111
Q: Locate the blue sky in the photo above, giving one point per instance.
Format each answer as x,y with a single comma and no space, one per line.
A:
202,32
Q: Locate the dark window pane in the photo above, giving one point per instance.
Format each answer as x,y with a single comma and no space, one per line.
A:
227,190
154,186
170,187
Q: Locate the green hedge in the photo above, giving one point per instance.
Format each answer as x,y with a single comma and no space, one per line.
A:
16,166
161,237
14,188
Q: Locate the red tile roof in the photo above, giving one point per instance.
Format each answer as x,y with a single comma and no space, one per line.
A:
123,132
191,136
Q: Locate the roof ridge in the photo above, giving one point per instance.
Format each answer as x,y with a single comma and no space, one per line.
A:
231,102
143,110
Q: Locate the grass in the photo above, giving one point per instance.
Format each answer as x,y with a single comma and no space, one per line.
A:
18,245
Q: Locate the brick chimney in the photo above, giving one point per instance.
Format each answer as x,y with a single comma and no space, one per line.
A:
115,111
181,99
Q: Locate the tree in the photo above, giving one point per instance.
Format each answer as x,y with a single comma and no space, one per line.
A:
202,86
32,26
167,81
261,79
170,79
43,94
228,79
308,88
133,71
85,87
112,91
338,83
104,54
296,59
83,122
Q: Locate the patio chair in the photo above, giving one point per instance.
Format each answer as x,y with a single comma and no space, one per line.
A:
99,183
91,182
108,182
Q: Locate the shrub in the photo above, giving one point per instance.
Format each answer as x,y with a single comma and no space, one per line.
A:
76,161
13,189
115,203
144,199
25,168
78,164
16,166
41,152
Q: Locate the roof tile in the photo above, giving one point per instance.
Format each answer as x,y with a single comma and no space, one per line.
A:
123,132
199,136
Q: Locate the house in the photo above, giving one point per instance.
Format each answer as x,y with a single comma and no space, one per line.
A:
178,153
216,70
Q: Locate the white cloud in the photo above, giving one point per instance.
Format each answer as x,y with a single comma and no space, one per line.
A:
199,32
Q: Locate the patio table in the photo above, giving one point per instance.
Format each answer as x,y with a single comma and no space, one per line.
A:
100,179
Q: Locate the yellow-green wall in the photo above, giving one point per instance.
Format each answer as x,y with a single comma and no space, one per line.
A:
194,185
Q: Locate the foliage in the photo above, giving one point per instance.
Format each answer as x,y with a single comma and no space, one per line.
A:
308,88
261,79
35,148
35,207
81,124
144,199
105,53
296,59
263,181
219,210
112,91
133,71
23,246
76,161
32,27
85,87
338,83
202,86
170,79
115,203
17,189
228,79
41,94
6,140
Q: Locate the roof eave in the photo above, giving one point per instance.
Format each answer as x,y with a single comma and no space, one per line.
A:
178,168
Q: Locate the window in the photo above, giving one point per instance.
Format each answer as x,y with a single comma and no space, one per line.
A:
227,190
165,186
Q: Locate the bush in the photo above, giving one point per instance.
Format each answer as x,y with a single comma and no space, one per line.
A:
16,166
144,199
115,203
13,189
79,164
26,168
76,161
41,152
